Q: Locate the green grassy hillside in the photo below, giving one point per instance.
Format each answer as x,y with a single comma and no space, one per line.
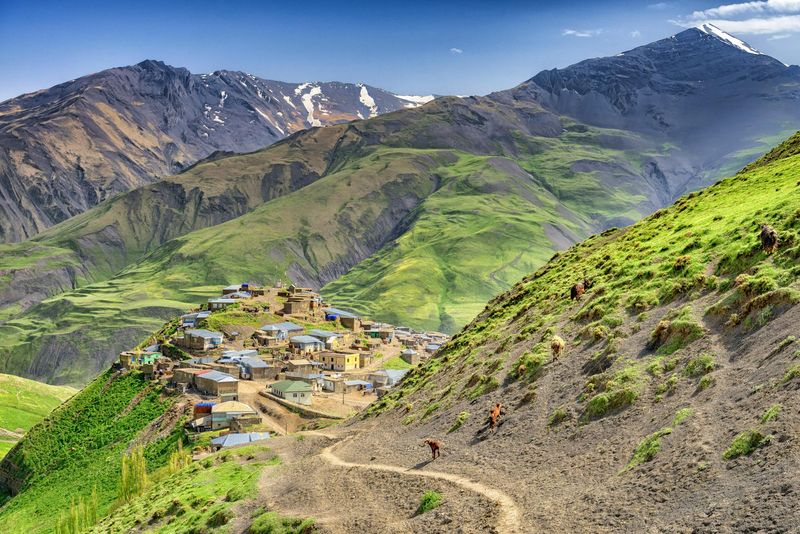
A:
79,446
706,245
676,388
23,403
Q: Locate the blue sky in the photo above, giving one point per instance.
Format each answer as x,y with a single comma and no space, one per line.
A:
410,47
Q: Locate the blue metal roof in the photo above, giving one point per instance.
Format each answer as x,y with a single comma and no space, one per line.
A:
255,363
358,383
231,440
340,313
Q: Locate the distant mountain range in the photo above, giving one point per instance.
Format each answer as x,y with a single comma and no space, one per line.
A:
67,148
416,217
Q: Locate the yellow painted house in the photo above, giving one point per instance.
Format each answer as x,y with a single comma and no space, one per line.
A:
339,361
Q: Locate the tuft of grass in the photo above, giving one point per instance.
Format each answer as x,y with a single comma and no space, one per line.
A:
771,414
619,391
675,332
647,448
745,443
700,365
559,415
429,501
792,373
460,420
273,523
682,415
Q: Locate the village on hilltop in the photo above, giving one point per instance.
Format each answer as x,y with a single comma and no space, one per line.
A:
261,360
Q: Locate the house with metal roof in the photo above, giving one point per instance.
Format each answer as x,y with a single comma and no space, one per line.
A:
199,339
387,377
306,344
292,390
223,413
332,340
410,356
282,330
236,439
220,303
217,383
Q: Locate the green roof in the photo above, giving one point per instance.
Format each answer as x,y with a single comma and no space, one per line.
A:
287,386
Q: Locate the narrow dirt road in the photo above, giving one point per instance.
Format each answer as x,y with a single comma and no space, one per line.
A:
509,513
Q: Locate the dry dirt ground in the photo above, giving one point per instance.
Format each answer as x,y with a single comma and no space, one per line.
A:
369,475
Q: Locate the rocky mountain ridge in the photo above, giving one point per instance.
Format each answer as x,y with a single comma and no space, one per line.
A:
67,148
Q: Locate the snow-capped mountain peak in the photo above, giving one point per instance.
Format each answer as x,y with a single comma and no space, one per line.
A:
727,38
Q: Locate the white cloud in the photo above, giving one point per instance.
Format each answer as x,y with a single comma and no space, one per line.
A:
753,26
455,50
780,36
636,34
757,17
581,33
659,5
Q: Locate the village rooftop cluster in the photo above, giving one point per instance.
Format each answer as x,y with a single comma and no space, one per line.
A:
313,359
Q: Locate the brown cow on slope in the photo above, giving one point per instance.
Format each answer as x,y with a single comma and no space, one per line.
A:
494,415
579,289
769,239
435,446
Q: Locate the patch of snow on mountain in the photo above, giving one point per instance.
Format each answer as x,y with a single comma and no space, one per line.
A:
308,103
300,88
727,38
266,118
222,96
367,100
417,100
216,118
289,101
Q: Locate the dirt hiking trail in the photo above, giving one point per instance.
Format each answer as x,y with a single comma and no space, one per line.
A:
508,521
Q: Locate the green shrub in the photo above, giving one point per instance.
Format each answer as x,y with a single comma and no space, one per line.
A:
619,391
430,409
460,420
648,448
792,373
559,414
675,332
272,523
771,413
745,443
699,366
681,415
429,501
706,382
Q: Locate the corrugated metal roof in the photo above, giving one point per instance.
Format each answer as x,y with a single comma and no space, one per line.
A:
203,333
231,440
291,385
324,334
280,327
340,313
231,406
304,340
218,376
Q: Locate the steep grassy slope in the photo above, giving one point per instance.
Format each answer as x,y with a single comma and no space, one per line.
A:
23,403
675,397
205,497
79,446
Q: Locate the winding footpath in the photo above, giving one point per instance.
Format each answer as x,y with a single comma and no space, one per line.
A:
508,522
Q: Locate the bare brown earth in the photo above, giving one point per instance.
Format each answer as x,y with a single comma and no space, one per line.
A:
368,474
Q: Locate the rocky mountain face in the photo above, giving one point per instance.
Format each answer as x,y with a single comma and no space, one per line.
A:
67,148
702,90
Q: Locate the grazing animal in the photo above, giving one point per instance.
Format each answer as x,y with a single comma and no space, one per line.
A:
557,345
494,415
579,289
521,369
769,238
436,447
